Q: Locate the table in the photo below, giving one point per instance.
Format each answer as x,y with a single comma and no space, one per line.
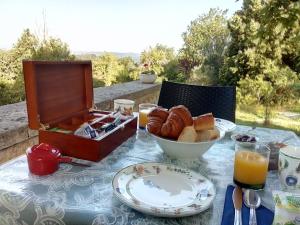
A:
76,195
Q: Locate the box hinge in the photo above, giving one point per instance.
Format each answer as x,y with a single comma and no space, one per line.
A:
43,126
93,109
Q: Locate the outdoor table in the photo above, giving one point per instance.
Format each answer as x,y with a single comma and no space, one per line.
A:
80,195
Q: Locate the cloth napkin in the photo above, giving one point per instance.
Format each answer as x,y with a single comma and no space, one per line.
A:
264,216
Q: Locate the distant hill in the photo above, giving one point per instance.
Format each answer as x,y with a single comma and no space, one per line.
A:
91,55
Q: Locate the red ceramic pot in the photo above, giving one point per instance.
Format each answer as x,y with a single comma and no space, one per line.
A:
43,159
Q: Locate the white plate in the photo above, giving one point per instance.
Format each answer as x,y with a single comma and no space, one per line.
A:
163,190
225,125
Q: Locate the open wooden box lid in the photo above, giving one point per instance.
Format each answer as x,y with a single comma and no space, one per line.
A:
57,90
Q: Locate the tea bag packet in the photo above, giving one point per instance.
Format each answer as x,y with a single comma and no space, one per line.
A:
110,126
287,208
60,130
85,130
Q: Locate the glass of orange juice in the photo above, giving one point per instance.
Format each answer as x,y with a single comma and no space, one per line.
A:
251,166
144,110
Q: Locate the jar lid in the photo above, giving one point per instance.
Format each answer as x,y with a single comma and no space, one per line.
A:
43,151
291,151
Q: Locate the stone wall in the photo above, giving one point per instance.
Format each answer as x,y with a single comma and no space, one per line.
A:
15,136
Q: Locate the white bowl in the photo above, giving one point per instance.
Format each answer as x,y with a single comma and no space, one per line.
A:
185,150
147,78
244,143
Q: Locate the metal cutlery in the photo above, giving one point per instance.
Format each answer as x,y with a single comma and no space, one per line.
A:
252,200
237,198
72,161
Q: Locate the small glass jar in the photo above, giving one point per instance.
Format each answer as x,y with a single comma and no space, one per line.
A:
144,110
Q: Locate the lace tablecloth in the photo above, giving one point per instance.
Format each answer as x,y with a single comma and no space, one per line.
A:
76,195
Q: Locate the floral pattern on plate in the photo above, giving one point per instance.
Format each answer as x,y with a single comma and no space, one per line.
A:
163,190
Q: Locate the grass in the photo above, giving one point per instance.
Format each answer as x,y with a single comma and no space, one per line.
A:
254,117
295,108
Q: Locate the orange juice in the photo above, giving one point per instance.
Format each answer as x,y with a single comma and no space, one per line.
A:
250,169
143,119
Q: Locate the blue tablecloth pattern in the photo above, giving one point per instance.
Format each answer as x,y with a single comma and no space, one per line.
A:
77,195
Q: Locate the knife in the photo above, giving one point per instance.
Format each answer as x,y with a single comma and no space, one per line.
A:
237,198
72,161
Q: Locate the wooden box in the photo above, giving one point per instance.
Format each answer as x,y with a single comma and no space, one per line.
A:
59,96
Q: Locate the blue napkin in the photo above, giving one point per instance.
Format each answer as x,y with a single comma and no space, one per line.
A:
264,216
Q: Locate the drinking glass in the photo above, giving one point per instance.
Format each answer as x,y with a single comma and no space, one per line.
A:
251,166
144,110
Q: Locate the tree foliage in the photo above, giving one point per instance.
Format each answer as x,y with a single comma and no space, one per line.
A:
28,46
157,57
258,50
204,43
263,55
129,70
172,71
52,49
106,68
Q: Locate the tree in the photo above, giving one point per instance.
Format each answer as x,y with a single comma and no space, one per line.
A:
52,49
129,71
263,56
172,71
27,47
23,49
204,43
11,79
106,69
156,57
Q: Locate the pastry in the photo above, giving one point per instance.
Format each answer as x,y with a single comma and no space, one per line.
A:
174,121
173,126
156,118
184,114
154,125
207,135
159,112
204,122
188,134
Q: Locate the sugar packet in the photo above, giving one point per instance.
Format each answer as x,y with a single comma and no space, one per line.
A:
85,130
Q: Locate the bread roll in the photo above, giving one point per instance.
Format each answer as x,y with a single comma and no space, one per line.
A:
204,122
207,135
188,134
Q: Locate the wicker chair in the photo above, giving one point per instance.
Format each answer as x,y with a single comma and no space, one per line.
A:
220,100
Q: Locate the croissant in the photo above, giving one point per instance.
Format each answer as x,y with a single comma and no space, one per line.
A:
178,118
159,112
169,124
184,114
173,126
156,118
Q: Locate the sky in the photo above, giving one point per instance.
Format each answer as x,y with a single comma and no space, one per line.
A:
105,25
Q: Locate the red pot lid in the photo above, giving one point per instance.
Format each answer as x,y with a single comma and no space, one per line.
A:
43,151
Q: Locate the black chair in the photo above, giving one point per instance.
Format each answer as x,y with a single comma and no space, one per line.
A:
220,100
